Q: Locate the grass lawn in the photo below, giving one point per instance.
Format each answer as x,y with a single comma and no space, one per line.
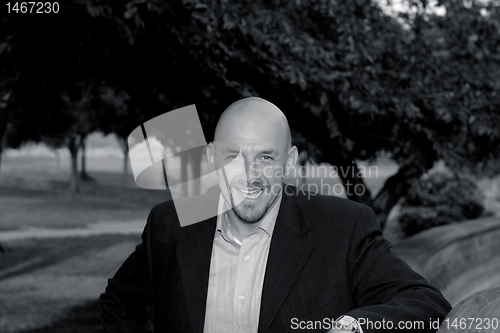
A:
34,194
43,280
52,285
83,318
26,256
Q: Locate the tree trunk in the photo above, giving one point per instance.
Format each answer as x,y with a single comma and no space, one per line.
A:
125,161
124,146
83,171
354,186
395,187
74,181
84,176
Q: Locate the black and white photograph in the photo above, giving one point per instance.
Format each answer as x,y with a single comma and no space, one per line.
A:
267,166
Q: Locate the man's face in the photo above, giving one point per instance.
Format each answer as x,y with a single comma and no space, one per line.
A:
254,160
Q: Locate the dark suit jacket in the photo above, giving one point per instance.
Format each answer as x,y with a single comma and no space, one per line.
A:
327,258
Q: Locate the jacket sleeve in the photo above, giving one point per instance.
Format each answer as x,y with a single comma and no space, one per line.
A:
385,288
126,303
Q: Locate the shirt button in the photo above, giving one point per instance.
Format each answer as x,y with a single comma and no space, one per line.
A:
246,258
241,297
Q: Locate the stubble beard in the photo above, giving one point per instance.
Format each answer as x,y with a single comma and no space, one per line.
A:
249,214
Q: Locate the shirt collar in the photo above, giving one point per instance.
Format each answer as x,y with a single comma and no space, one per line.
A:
267,224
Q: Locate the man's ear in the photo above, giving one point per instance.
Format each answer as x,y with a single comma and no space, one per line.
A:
211,155
291,160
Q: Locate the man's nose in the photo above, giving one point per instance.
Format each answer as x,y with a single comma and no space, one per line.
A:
252,171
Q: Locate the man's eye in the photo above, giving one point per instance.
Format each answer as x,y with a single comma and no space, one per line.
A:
266,157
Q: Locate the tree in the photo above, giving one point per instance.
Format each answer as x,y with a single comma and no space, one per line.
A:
50,75
118,118
81,121
353,81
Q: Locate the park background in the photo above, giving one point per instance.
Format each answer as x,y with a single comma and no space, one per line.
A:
409,87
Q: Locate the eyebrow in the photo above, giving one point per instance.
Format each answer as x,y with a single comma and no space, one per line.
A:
269,152
263,152
232,151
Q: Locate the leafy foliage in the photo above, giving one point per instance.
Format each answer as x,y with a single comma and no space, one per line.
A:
353,81
438,199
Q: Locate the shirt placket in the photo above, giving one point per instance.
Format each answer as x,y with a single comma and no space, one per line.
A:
245,276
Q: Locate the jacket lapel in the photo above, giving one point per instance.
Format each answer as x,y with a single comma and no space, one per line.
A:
287,255
193,255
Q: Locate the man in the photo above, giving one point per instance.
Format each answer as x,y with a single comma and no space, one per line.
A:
272,259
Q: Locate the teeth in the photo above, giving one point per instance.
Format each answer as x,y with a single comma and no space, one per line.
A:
253,194
248,192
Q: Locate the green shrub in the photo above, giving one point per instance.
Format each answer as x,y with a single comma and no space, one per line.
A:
437,199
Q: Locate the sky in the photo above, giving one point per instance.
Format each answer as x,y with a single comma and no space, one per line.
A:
393,7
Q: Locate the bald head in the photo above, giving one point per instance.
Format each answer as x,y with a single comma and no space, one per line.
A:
254,117
252,155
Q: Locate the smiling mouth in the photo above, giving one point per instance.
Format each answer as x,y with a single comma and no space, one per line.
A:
251,193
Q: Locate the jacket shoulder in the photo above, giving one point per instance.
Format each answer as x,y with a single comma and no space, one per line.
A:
319,208
188,210
163,216
328,202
